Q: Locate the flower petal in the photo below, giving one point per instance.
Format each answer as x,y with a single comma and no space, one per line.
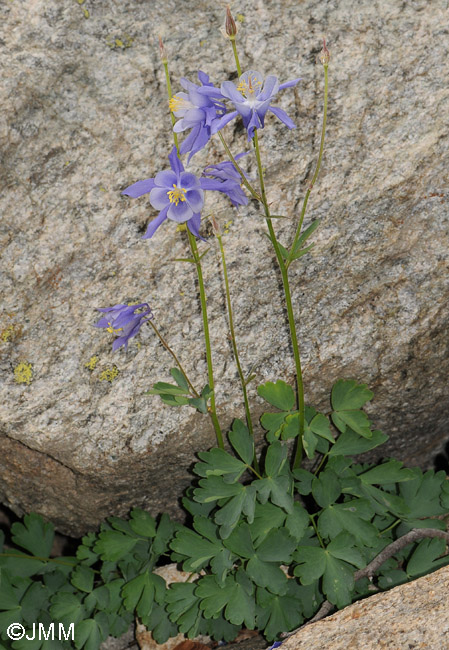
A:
289,84
219,124
175,163
187,144
139,188
253,123
282,115
180,213
203,78
103,322
195,198
154,225
194,225
188,181
229,90
270,88
190,119
166,179
252,78
210,184
116,308
202,138
159,198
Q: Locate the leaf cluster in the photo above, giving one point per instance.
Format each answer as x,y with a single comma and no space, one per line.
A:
267,544
180,394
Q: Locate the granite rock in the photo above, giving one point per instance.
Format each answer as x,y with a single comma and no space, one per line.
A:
414,615
84,114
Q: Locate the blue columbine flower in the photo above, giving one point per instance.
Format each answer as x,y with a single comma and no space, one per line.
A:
179,195
230,177
123,321
197,111
252,98
176,193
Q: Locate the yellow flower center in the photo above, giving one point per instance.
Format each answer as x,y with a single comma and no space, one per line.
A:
248,88
176,194
111,330
178,103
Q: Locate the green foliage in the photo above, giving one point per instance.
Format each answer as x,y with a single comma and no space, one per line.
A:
180,394
266,545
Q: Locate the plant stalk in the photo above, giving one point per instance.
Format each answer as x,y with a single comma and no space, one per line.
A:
234,344
210,371
170,350
315,175
288,300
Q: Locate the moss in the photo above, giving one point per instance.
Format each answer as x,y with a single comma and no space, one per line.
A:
109,374
90,365
23,373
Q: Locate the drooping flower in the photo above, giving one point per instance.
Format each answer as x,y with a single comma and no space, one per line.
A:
123,321
179,195
228,174
252,99
198,112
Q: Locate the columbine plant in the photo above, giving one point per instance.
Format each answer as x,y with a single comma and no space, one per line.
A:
273,542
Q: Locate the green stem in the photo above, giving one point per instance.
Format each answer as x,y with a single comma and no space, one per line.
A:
234,344
316,530
393,525
178,363
255,471
210,371
236,56
321,463
315,176
288,301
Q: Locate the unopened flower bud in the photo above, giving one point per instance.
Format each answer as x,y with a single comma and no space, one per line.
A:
325,54
230,26
162,52
215,226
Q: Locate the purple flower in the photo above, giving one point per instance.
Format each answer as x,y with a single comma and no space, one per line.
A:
123,321
198,111
252,98
179,195
230,178
176,193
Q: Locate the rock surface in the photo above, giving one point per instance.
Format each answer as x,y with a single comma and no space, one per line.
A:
414,615
83,115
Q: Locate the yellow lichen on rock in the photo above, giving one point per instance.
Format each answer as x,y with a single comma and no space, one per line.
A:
23,373
109,374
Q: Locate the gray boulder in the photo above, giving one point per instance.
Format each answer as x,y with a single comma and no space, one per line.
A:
84,114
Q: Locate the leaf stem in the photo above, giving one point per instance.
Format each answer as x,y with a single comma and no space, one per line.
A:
234,343
210,371
171,351
312,519
288,300
315,175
